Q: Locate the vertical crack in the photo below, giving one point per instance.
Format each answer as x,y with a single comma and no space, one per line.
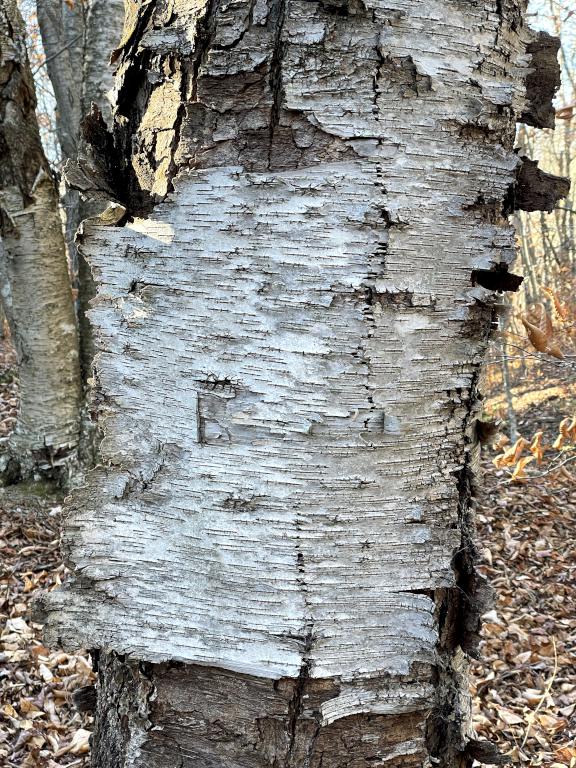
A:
296,705
277,16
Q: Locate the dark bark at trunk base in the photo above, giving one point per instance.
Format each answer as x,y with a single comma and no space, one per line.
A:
189,715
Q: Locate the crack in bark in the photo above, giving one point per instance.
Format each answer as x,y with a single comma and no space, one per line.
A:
459,610
296,704
277,16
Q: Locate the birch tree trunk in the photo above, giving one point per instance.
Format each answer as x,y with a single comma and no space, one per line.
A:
296,276
34,279
78,40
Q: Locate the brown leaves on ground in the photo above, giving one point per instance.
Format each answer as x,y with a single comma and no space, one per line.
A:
39,727
525,686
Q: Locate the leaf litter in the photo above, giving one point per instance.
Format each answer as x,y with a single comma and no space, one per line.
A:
39,727
524,686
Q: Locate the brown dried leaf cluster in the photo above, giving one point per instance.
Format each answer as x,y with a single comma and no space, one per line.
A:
556,454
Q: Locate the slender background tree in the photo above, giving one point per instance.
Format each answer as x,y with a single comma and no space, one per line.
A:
34,281
78,39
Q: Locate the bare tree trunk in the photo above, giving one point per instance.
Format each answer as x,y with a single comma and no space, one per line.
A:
78,41
276,555
507,386
62,29
34,277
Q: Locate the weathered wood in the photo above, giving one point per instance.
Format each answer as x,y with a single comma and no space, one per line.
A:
279,541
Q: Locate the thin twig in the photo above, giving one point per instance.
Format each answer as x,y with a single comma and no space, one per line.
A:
555,468
57,53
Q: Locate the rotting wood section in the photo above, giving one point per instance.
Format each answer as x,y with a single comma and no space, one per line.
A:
295,542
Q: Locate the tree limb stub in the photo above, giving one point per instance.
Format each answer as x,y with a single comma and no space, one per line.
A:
536,190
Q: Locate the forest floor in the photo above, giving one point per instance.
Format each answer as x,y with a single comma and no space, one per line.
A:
39,727
524,686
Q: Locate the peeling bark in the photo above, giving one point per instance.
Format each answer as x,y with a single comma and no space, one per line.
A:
276,556
536,190
33,271
542,82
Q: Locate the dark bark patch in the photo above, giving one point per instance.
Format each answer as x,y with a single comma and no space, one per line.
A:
489,210
400,75
371,297
183,716
542,82
486,753
84,699
497,279
343,8
534,189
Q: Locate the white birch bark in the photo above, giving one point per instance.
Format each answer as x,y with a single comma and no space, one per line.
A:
103,29
78,42
62,29
34,278
290,341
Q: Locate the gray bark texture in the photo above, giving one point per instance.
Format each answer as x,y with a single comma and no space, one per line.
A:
34,277
303,233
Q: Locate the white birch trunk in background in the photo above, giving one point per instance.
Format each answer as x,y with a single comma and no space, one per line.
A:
78,41
34,279
275,556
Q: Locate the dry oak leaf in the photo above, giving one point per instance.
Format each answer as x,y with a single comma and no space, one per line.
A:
509,717
560,307
536,448
541,332
565,433
501,442
519,473
511,455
